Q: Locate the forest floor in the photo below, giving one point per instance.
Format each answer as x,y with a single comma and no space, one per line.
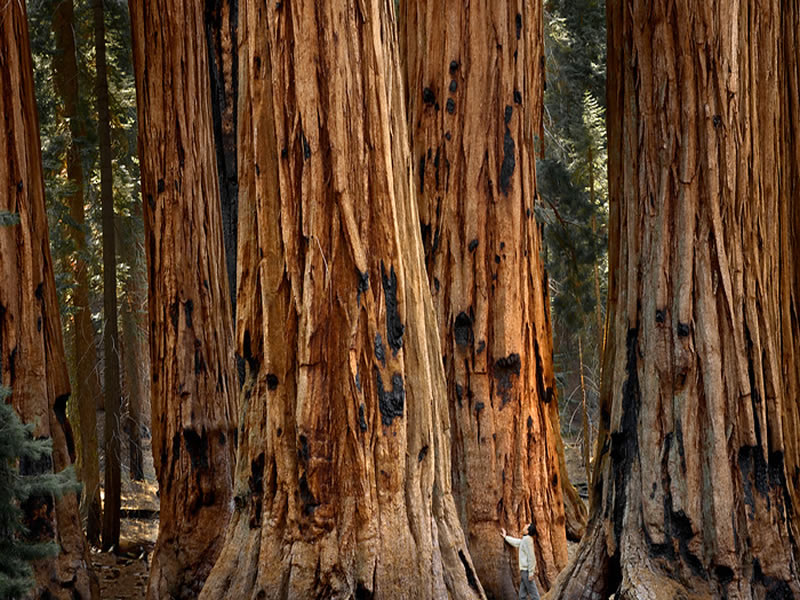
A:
123,572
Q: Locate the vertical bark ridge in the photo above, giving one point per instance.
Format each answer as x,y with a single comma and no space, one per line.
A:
32,360
690,490
191,338
343,484
474,82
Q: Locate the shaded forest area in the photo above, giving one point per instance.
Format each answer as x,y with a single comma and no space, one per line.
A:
239,238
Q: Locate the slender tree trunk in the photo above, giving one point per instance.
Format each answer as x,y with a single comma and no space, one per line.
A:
191,333
475,83
87,382
343,479
113,433
32,360
221,24
133,343
691,495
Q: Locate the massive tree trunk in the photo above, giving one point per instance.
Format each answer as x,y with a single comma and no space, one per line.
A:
690,489
87,381
221,23
475,82
111,387
31,347
191,333
343,479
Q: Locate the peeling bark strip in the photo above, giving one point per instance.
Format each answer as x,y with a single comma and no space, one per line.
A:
475,193
194,381
693,493
355,499
32,360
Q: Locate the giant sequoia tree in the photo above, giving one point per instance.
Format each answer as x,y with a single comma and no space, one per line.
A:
31,347
191,337
343,476
699,400
475,81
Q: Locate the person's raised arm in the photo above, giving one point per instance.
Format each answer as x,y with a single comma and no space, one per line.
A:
511,540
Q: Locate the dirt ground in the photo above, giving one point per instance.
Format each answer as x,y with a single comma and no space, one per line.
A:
123,572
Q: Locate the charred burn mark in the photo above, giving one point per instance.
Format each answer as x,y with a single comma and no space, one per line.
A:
540,387
683,329
60,410
517,97
284,152
530,421
504,369
197,447
422,174
625,441
518,23
422,453
473,244
459,393
363,592
358,382
306,147
462,330
380,354
39,293
450,106
303,452
390,403
479,406
20,186
471,579
362,285
508,113
481,347
394,327
428,97
256,484
362,421
682,531
151,201
509,162
160,186
436,172
453,85
776,589
661,315
39,324
173,315
754,471
199,362
310,503
723,574
453,66
425,232
252,361
188,308
717,120
436,283
549,395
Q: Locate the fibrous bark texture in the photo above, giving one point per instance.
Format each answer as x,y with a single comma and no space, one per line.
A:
191,335
32,360
86,379
343,475
690,490
221,23
475,83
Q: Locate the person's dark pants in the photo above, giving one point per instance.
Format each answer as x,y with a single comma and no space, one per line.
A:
527,588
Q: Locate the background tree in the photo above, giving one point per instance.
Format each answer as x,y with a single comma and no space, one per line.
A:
475,80
32,361
690,491
343,478
86,380
191,336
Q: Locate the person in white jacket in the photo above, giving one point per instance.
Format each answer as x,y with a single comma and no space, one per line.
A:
527,562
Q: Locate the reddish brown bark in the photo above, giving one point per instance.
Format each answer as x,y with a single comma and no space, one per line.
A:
191,336
690,494
475,84
31,347
343,478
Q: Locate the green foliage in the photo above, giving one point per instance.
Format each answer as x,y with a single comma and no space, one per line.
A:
7,218
18,448
573,187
